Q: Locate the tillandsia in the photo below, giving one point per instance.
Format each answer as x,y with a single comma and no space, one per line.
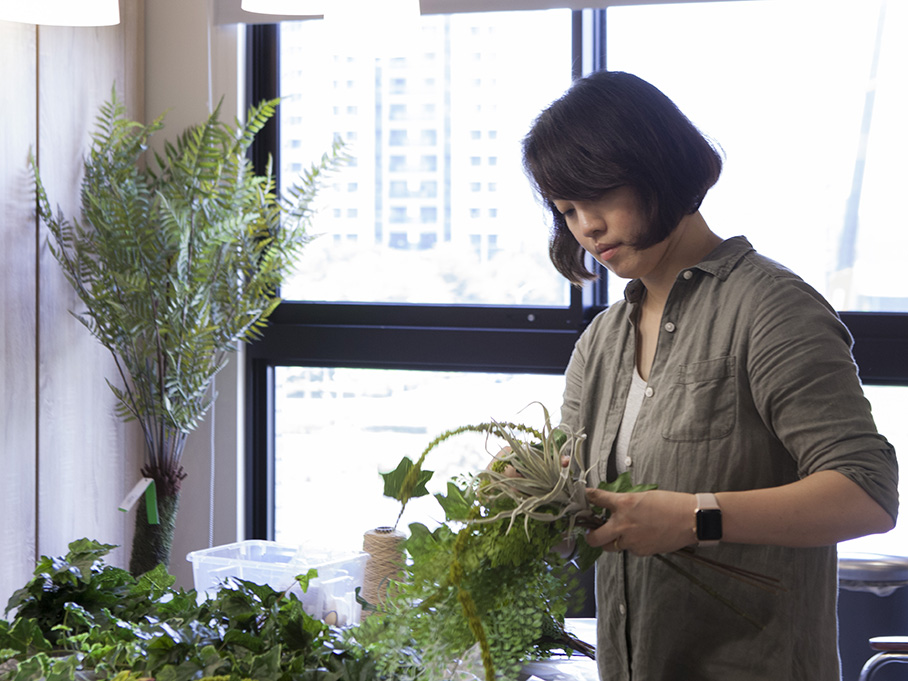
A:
542,480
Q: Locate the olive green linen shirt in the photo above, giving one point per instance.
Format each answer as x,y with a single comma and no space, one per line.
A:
753,385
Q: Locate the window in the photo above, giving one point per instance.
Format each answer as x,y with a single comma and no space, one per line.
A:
382,345
814,140
812,131
397,138
392,151
411,283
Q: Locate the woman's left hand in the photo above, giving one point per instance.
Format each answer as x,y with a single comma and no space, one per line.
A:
644,523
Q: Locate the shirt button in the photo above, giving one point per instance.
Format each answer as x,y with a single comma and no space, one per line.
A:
649,392
669,326
687,274
622,609
628,461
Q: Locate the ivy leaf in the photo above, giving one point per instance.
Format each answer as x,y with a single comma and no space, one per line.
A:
306,578
22,635
153,583
624,484
245,639
455,504
421,542
268,665
586,555
394,481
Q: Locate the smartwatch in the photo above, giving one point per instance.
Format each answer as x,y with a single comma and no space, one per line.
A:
708,516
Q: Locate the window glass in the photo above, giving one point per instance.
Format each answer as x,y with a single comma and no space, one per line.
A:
339,429
444,124
808,101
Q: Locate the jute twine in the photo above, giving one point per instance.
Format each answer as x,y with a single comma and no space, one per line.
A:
386,558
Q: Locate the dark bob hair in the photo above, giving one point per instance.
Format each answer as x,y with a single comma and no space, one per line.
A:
613,129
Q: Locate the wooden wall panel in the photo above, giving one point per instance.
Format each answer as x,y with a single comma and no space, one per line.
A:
17,309
87,458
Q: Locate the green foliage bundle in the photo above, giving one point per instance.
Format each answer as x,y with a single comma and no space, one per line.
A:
492,581
479,594
177,259
80,619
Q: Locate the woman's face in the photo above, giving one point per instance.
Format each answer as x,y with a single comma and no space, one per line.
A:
611,228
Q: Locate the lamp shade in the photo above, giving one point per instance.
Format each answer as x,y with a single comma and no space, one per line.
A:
61,12
286,7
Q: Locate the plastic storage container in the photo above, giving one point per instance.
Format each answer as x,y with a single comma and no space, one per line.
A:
330,597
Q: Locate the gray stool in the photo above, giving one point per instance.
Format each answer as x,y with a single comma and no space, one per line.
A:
880,575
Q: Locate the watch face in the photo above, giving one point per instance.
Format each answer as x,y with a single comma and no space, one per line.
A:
709,524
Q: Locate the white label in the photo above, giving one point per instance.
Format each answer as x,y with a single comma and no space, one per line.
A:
134,494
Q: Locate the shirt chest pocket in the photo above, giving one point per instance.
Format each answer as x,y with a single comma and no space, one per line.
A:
701,401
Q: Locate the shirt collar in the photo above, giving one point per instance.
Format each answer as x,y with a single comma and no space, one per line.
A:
719,263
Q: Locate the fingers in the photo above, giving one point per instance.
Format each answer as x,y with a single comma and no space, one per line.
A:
607,538
600,497
643,523
498,461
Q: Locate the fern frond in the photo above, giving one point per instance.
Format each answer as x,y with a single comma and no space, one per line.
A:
176,259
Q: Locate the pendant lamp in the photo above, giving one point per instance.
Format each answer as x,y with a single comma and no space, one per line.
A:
308,8
61,12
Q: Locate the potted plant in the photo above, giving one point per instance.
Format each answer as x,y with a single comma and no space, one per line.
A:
176,259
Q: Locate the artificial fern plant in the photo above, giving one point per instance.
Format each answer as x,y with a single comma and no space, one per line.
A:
176,259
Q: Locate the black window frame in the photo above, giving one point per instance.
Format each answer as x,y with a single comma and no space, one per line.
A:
445,338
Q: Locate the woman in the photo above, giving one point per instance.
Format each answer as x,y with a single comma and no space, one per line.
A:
722,378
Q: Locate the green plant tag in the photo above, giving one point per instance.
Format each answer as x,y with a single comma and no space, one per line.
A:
151,504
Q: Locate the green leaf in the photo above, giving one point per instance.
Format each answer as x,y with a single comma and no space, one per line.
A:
624,484
586,555
154,582
304,579
266,666
420,541
394,481
455,504
252,642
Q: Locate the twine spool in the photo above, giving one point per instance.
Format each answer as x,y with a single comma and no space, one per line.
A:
386,558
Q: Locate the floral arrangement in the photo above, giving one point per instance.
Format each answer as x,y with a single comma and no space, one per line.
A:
489,581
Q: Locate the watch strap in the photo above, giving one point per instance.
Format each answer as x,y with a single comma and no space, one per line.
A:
707,504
